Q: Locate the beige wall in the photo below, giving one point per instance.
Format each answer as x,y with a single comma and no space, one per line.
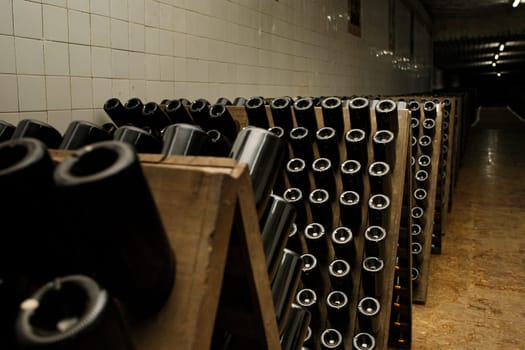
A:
61,59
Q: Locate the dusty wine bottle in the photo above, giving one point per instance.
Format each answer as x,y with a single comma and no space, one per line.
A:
324,176
81,133
368,310
71,312
256,112
343,243
120,238
386,116
350,212
298,174
305,115
38,130
356,145
360,114
281,108
340,276
296,328
178,113
300,141
338,310
295,196
321,208
352,176
327,145
116,111
332,108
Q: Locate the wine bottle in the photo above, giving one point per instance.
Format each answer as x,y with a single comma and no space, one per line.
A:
281,108
296,328
352,176
430,110
307,298
425,163
368,311
420,197
338,310
324,176
414,125
239,101
256,112
300,141
298,174
318,242
343,243
223,101
154,116
296,240
360,114
340,276
295,196
417,253
350,212
219,118
6,130
417,214
375,238
356,145
221,145
380,177
321,208
332,339
199,110
82,133
386,116
422,179
332,108
305,115
311,273
71,312
116,111
178,113
415,231
118,235
384,147
429,127
134,107
364,341
39,130
142,140
327,145
415,109
372,276
379,210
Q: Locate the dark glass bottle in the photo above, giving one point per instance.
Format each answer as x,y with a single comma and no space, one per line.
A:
368,311
338,310
356,145
307,298
239,101
429,127
386,116
324,176
116,111
295,196
305,115
364,341
142,140
6,131
372,276
415,109
223,101
296,240
424,162
430,109
256,112
422,179
340,276
384,147
352,176
332,108
199,110
285,285
318,242
414,125
297,174
275,224
321,208
221,145
118,234
343,243
417,214
295,329
110,128
350,211
154,116
375,238
134,107
301,143
71,312
281,108
264,154
327,145
220,119
415,276
360,114
414,144
379,210
38,130
178,113
332,339
380,177
417,253
82,133
420,197
415,231
311,273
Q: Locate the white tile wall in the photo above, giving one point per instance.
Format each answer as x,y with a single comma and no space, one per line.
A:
62,59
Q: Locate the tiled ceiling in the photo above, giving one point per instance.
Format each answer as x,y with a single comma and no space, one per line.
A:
474,55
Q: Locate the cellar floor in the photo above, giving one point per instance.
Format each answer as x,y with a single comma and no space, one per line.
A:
476,296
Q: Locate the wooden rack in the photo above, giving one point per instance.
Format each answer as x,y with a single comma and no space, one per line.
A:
208,212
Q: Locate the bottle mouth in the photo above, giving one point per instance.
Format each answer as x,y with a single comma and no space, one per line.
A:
414,123
379,202
255,102
173,105
445,125
349,198
375,233
321,164
280,103
417,248
422,175
112,103
314,231
293,230
214,134
20,153
133,103
149,108
303,104
369,306
425,140
379,169
293,195
342,235
331,102
295,165
277,131
416,229
383,136
359,103
319,196
417,212
355,135
429,123
386,106
339,268
429,106
331,338
337,300
364,341
350,167
373,264
309,262
325,133
217,110
413,106
306,297
298,133
415,274
420,194
424,160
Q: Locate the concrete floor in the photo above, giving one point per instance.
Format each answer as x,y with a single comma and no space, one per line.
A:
476,297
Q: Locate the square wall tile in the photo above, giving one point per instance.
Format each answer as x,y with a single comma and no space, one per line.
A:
179,20
167,68
100,31
100,7
6,17
165,16
120,63
56,58
152,13
101,62
166,43
27,19
120,89
58,92
138,89
136,11
31,93
60,120
8,93
136,37
101,92
137,65
81,93
100,117
179,44
152,67
152,40
82,114
197,70
79,27
8,57
55,23
59,3
80,5
80,60
119,34
119,9
29,56
180,71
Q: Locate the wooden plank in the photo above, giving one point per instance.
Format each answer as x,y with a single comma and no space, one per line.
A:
420,292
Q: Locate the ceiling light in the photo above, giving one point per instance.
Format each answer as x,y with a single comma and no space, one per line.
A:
496,56
516,3
493,64
501,47
499,74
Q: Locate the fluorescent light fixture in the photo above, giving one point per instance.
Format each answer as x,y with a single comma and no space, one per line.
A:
501,47
516,3
496,56
499,74
493,64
